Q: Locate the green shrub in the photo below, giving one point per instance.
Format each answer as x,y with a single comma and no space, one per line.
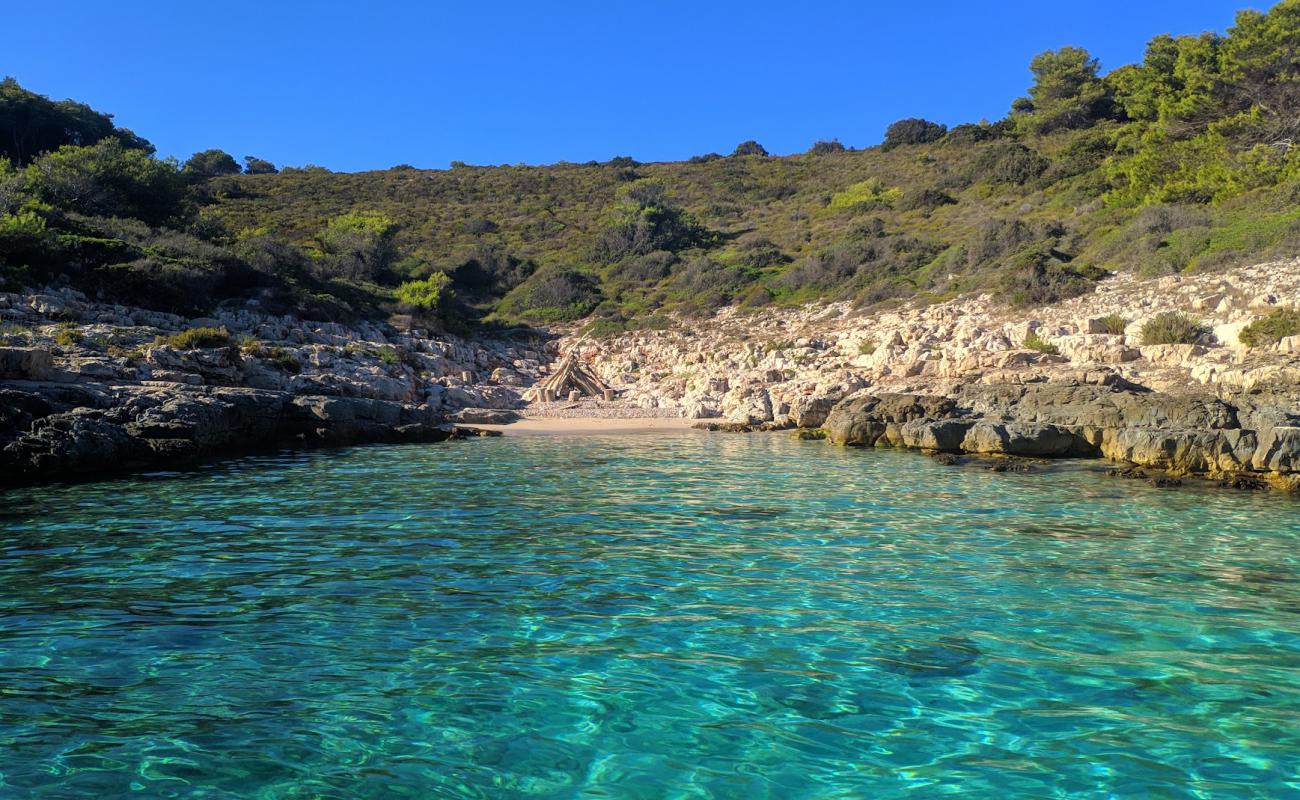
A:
1114,324
822,147
755,296
1279,324
867,347
1009,163
871,193
553,294
278,356
927,199
197,338
1172,328
912,131
68,337
429,295
1035,342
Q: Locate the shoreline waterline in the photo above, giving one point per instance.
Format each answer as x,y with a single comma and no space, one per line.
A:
573,426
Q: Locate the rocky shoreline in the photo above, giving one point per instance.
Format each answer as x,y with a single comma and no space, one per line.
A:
1246,444
93,389
88,388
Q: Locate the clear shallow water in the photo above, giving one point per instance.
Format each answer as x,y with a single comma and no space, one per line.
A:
645,617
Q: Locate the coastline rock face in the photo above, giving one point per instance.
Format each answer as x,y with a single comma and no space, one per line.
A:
96,388
170,428
1184,435
32,363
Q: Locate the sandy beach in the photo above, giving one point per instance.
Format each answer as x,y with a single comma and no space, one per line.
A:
542,426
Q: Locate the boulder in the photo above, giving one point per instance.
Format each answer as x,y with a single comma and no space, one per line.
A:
485,416
26,363
1021,439
810,412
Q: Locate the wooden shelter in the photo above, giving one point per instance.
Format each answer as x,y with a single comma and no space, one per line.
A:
570,376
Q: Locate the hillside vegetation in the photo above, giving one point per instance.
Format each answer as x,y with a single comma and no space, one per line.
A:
1186,161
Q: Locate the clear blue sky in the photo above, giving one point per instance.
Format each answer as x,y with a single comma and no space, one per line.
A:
354,86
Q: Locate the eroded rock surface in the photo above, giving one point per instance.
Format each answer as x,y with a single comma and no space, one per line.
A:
1182,435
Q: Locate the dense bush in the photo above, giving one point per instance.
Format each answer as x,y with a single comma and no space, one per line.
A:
971,133
32,124
1172,328
258,166
823,147
912,131
1181,162
645,220
927,199
1067,92
862,263
705,283
1271,329
749,148
1040,277
210,164
553,294
644,270
108,179
479,226
492,271
865,196
1114,324
1009,163
429,296
1035,342
759,253
198,338
358,244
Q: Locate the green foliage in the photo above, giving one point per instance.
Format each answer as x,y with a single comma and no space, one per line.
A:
210,164
1067,93
32,124
430,295
1184,161
68,336
824,147
1035,342
258,166
645,220
358,244
1114,324
198,338
1009,163
749,148
866,195
107,179
926,199
1271,329
277,356
552,294
867,347
1172,327
912,131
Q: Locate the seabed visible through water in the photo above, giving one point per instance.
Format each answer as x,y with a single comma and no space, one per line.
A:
672,615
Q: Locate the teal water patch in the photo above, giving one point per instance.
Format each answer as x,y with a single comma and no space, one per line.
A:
658,616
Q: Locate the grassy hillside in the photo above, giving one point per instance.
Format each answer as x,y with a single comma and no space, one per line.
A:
1182,162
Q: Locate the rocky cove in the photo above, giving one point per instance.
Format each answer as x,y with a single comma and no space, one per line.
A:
92,388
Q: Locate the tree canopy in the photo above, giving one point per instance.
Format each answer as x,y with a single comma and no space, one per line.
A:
32,124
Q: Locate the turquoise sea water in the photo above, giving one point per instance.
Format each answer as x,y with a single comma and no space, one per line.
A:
680,616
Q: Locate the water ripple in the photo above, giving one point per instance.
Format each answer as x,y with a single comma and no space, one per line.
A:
645,617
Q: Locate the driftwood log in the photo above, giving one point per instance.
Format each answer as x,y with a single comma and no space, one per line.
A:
570,375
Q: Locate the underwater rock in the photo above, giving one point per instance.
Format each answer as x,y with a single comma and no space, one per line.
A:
946,657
